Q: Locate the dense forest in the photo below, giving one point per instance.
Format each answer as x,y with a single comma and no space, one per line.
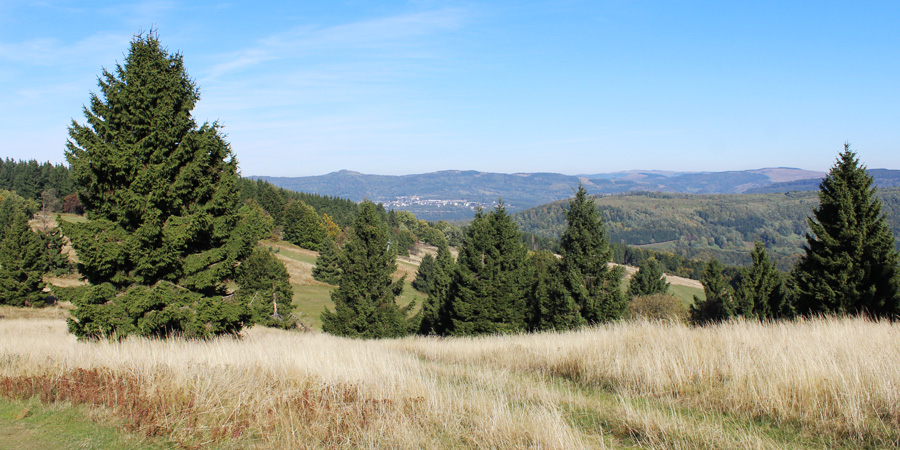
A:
703,226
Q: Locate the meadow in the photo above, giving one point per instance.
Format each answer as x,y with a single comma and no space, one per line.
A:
807,384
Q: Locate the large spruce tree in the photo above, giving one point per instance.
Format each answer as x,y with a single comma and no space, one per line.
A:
489,291
364,302
850,265
160,192
586,255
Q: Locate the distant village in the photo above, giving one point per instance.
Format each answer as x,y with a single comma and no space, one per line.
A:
415,200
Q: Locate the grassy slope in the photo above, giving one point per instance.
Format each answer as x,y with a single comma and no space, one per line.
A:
30,425
745,385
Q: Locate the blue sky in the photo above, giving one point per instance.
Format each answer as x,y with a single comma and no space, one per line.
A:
307,88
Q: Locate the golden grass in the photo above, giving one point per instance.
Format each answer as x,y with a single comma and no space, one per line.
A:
808,384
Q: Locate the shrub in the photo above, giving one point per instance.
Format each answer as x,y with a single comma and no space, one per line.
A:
657,307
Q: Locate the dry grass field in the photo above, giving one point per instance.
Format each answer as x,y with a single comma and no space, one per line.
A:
829,383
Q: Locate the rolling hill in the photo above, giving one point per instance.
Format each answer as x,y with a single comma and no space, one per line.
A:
454,194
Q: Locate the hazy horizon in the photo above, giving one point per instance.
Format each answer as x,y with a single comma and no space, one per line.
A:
407,87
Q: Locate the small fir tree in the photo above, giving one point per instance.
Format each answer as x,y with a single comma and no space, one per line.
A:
23,261
425,274
552,307
364,305
434,313
850,264
327,269
489,291
761,290
648,280
264,284
586,255
719,303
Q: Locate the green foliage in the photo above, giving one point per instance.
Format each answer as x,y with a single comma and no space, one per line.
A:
659,306
585,256
489,291
850,265
31,179
23,259
761,291
648,280
719,303
161,310
328,269
552,306
302,226
274,199
425,274
364,305
161,195
434,316
264,285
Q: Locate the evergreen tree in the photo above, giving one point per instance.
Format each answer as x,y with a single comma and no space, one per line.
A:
302,226
327,269
489,290
850,265
364,305
22,262
434,314
264,284
425,274
164,235
761,289
648,280
719,302
552,306
593,284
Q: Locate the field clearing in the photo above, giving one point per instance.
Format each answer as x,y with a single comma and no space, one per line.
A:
826,383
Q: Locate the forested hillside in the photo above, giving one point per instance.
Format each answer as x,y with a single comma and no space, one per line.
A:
703,226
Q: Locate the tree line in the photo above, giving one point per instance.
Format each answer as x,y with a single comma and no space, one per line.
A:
170,248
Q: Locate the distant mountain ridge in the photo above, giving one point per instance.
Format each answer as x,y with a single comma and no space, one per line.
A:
454,194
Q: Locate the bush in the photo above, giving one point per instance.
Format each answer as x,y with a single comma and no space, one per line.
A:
657,307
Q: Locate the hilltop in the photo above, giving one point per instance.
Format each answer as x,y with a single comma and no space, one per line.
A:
454,194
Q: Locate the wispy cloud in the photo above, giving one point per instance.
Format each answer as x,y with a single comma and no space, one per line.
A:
395,37
54,52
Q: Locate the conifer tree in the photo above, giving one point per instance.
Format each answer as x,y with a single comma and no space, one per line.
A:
434,314
586,254
761,290
22,262
327,269
850,265
552,306
264,284
489,290
648,280
164,235
719,302
425,274
302,226
364,305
